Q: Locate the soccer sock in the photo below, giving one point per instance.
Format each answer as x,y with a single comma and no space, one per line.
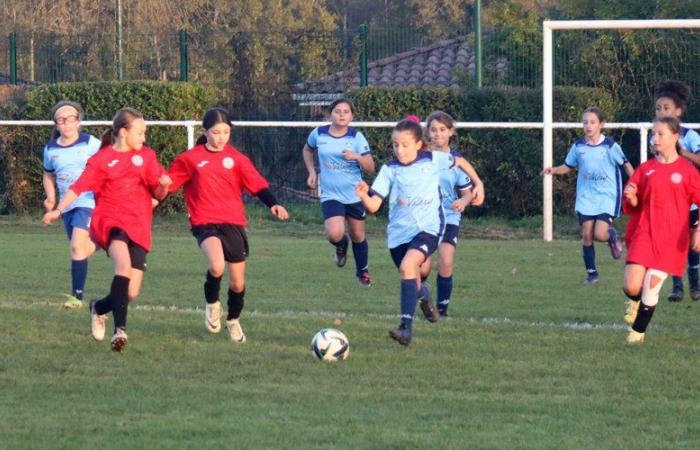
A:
78,271
212,287
119,297
677,283
409,296
693,264
444,291
634,298
343,243
235,304
104,305
423,292
589,258
361,252
612,234
643,317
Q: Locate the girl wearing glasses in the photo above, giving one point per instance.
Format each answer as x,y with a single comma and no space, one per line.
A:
65,157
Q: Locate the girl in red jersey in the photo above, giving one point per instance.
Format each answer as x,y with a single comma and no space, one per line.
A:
124,176
657,198
214,175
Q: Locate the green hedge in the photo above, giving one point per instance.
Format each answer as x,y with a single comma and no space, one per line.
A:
508,160
21,147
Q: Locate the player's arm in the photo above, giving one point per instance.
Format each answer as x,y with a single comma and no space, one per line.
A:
65,202
308,155
49,182
366,162
465,198
478,193
371,202
558,170
629,170
692,157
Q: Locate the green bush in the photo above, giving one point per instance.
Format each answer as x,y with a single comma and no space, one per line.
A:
21,148
508,160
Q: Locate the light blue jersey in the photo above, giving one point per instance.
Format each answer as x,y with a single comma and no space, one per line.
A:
338,175
68,163
599,182
415,203
452,181
690,140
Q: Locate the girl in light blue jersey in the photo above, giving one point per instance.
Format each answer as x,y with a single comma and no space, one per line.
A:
671,100
598,187
343,154
65,157
411,184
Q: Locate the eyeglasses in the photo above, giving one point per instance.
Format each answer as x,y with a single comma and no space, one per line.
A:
66,120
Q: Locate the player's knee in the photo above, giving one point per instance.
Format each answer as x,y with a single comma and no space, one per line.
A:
216,270
236,286
653,280
633,293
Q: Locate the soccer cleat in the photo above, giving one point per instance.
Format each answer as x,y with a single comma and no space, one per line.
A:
631,308
72,302
425,302
341,255
97,323
401,334
695,294
591,278
635,338
235,331
212,317
614,244
694,284
676,294
365,279
119,340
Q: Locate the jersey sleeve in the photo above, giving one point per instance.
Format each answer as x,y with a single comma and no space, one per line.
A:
361,145
311,141
572,157
48,165
92,177
636,179
694,186
463,181
251,179
692,139
153,171
94,145
179,172
617,157
382,184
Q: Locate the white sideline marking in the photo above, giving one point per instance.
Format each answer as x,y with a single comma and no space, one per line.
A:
288,314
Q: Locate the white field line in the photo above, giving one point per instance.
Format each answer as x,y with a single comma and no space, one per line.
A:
289,314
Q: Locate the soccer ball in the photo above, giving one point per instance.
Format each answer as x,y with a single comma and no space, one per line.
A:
330,345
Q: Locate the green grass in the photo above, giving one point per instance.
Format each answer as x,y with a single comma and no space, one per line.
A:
530,359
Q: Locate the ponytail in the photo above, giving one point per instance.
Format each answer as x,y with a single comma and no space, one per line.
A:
107,136
201,140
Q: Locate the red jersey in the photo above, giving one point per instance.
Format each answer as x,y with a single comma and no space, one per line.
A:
214,183
657,234
123,183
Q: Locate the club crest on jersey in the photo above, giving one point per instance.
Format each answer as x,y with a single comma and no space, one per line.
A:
676,178
227,162
425,169
137,160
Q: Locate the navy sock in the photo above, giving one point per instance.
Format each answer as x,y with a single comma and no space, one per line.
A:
104,305
119,298
212,287
361,252
78,271
677,282
409,297
693,264
612,234
589,258
235,304
643,317
343,243
423,292
444,291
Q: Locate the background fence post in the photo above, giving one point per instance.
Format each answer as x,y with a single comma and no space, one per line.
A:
13,57
184,61
478,52
363,54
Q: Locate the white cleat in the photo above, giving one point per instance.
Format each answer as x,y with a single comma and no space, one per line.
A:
97,323
119,340
212,317
235,331
635,338
631,308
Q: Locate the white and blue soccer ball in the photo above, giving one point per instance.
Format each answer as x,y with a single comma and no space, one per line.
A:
330,345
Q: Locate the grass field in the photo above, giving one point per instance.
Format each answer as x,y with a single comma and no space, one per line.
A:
531,358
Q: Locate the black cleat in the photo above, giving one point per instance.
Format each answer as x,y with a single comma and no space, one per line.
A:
341,255
402,334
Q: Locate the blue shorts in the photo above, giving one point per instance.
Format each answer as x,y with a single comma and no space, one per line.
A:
76,218
425,243
333,208
694,218
601,217
449,236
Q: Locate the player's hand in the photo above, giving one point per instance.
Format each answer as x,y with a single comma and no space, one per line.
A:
279,212
51,216
478,195
312,180
362,189
154,202
349,155
165,181
547,171
630,191
459,205
49,203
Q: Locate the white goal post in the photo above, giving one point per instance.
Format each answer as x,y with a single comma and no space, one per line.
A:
548,63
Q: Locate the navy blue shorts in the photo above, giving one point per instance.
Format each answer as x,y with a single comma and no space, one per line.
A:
233,239
694,218
76,218
136,252
601,217
423,242
333,208
450,235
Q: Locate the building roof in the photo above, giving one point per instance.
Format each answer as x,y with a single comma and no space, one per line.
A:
436,65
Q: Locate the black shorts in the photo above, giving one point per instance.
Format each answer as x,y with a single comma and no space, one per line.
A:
425,243
450,235
601,217
136,252
333,208
233,239
694,218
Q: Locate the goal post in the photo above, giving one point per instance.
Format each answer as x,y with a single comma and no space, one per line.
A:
549,26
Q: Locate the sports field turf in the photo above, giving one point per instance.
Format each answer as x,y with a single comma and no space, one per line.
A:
531,358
